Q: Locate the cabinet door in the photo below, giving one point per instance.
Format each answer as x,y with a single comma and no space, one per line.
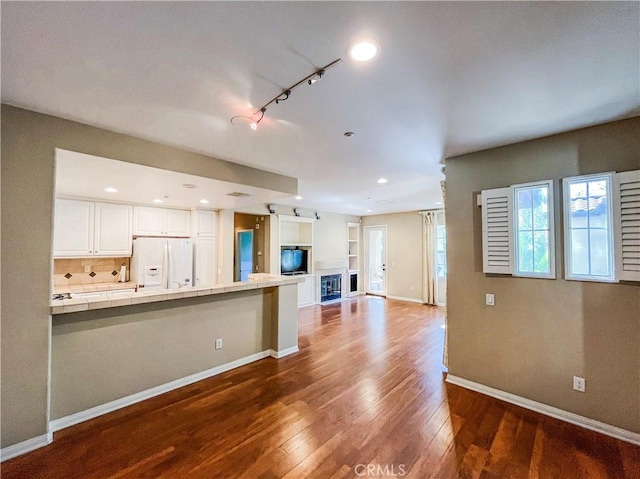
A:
177,223
73,229
112,230
305,291
204,223
205,263
148,221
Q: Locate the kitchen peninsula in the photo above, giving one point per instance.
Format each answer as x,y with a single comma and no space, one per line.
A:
111,352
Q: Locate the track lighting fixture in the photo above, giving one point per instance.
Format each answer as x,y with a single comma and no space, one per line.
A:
317,216
283,96
319,74
271,208
296,211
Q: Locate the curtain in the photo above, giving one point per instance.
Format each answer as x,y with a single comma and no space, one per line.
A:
445,352
429,234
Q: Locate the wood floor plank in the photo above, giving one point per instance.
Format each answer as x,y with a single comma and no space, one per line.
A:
366,392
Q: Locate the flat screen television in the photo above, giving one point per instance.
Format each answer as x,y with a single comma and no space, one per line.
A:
293,261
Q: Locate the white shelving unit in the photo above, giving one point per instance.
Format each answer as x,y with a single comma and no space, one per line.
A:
297,233
353,255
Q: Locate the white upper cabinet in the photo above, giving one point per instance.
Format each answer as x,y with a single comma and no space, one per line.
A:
73,228
85,228
204,223
112,234
149,221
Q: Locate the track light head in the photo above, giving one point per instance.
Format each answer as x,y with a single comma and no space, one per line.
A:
271,208
296,211
319,74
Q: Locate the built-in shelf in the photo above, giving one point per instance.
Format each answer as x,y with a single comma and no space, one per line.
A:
353,257
296,233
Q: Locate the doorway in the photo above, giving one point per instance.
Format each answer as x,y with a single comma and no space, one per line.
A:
375,246
244,254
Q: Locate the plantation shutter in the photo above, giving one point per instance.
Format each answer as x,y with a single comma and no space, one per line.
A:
628,234
497,245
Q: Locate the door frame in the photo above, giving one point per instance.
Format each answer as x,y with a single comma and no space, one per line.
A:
385,288
236,256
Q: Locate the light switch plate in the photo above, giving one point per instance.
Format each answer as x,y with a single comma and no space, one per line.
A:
490,299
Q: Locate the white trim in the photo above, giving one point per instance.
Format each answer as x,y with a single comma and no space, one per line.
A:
367,252
402,298
96,411
443,305
585,422
23,447
284,352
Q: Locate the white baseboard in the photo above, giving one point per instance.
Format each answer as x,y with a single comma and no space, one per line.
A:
585,422
23,447
401,298
93,412
284,352
441,304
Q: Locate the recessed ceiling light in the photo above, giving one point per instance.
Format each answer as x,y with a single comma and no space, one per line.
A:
298,197
157,200
110,190
189,185
369,211
382,181
438,202
204,202
364,51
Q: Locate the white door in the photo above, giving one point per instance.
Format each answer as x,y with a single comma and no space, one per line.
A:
112,230
205,262
148,267
73,228
244,254
180,263
375,246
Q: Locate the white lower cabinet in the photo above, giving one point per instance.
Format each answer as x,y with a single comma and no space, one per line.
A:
205,264
305,291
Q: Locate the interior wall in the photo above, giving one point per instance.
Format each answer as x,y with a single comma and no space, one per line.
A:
404,253
29,140
93,351
542,332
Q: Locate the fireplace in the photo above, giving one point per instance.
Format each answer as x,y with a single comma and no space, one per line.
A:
331,280
330,287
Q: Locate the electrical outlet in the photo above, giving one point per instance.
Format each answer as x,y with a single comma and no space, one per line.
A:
490,299
87,268
579,384
219,343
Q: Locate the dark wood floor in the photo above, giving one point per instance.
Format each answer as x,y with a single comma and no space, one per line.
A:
364,397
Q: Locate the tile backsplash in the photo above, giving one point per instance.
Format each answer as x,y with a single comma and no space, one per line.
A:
67,272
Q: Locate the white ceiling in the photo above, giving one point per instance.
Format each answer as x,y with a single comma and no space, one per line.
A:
450,78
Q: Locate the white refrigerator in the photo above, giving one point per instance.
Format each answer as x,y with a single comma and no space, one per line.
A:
162,263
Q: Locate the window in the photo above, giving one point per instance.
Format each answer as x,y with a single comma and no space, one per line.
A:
534,236
518,230
441,251
589,227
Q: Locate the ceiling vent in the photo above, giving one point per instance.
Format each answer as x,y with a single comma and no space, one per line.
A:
238,194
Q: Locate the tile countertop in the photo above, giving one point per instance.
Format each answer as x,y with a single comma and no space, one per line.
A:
114,298
89,288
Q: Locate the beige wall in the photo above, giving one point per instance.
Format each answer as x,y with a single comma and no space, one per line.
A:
28,162
542,332
104,355
404,252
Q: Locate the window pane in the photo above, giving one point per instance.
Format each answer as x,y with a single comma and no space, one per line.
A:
579,206
541,263
598,204
524,205
579,252
599,252
525,252
540,208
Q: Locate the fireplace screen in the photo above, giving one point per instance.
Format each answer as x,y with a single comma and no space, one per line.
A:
330,287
